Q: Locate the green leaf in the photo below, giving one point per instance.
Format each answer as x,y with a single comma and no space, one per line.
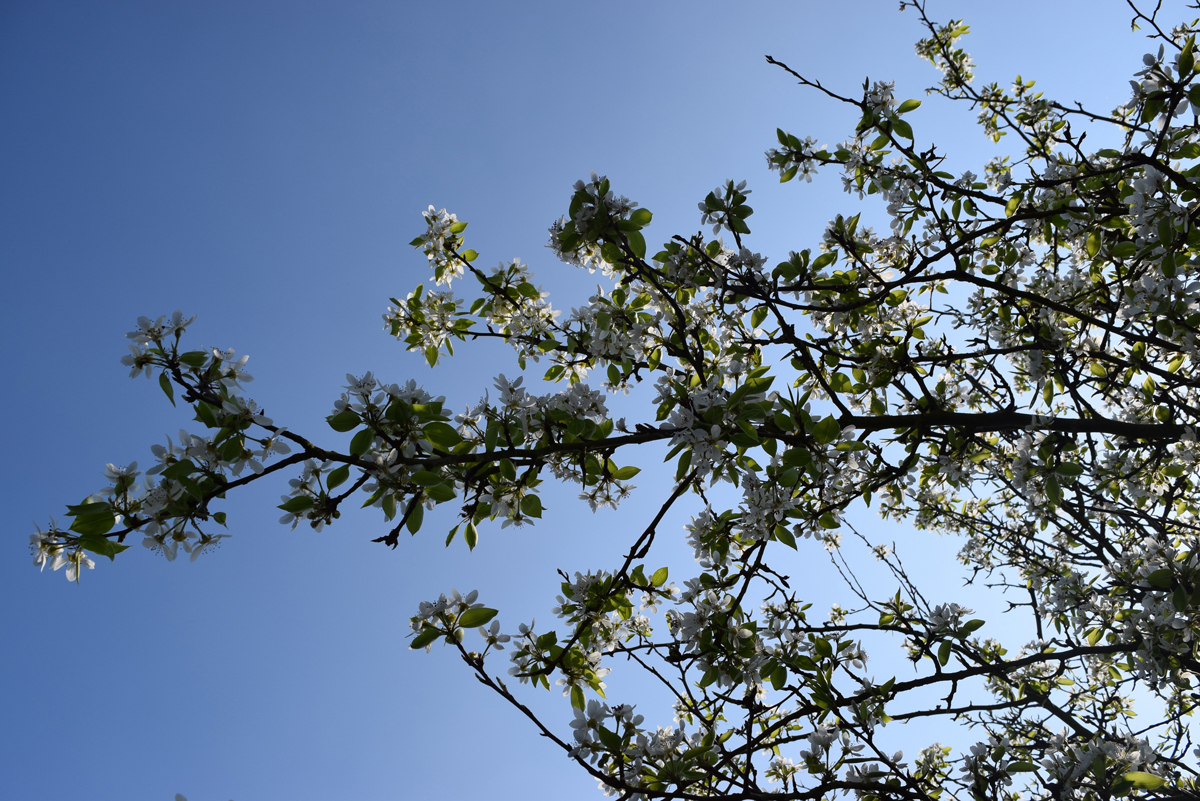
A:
425,478
531,506
611,253
94,525
343,421
1123,250
398,411
181,469
233,448
388,504
908,105
165,383
1093,244
94,508
637,243
626,473
204,414
944,653
1161,579
659,578
783,535
902,128
425,637
476,617
577,699
641,217
1053,491
415,519
442,435
296,505
1151,109
1021,767
1048,392
469,255
841,383
1069,469
471,535
101,545
337,476
194,358
441,492
824,260
614,375
970,626
1180,599
1144,781
362,441
827,430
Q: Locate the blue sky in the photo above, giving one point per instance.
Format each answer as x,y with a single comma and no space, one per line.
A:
263,166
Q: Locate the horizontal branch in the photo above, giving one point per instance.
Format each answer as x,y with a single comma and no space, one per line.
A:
1014,420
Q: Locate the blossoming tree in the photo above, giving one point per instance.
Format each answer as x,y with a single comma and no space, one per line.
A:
1014,361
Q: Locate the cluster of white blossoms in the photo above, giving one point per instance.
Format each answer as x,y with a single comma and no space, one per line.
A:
718,216
426,319
49,550
447,613
585,256
800,158
524,321
946,617
441,237
611,334
529,411
712,541
598,200
821,742
188,468
1068,762
764,506
151,334
881,98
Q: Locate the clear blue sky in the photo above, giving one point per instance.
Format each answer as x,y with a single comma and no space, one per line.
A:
263,165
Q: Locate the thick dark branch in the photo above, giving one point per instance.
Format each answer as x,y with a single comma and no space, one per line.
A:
1013,420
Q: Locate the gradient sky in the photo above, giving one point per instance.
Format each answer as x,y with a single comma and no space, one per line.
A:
263,166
